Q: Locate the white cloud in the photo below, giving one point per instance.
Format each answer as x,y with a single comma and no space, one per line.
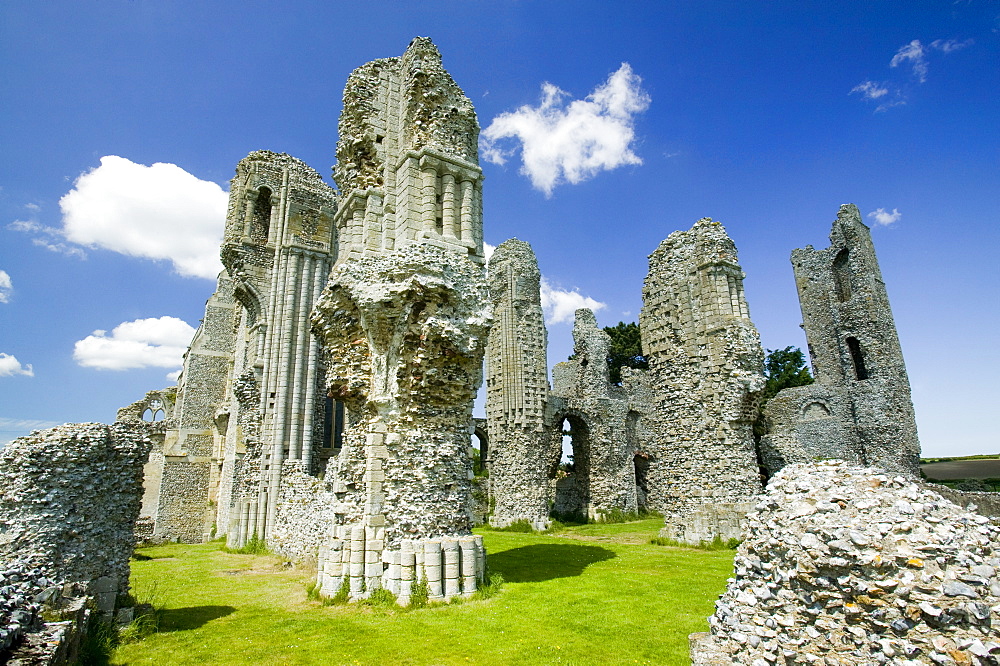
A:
6,287
174,376
871,90
914,54
560,306
949,45
143,343
44,236
574,141
885,218
156,212
10,366
488,251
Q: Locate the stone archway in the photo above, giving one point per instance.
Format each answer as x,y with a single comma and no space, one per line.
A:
572,472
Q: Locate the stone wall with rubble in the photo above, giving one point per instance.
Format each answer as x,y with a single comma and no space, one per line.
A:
69,499
859,409
844,564
706,374
522,447
305,515
605,423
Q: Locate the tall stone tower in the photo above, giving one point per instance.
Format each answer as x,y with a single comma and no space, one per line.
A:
407,159
278,248
859,409
404,321
517,389
706,372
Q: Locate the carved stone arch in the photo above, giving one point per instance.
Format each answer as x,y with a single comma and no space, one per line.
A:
814,409
251,300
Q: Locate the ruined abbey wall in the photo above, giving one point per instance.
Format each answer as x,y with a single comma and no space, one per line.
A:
706,372
69,501
859,409
606,426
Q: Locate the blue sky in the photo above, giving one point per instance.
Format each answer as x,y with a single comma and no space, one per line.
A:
123,122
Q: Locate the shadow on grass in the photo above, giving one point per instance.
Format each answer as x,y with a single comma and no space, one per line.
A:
533,564
183,619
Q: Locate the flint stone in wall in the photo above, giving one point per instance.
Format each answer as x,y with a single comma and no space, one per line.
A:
69,499
843,564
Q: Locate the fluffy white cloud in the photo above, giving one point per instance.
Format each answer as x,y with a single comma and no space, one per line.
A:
156,212
10,366
912,53
560,305
6,287
488,251
143,343
884,217
574,141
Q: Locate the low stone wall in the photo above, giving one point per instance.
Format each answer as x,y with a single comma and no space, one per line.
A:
844,564
303,517
985,503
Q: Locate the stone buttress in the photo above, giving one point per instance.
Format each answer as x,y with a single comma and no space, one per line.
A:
706,373
404,321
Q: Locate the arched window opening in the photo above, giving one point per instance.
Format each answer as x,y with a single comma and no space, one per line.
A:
261,224
857,358
480,453
572,475
641,463
842,275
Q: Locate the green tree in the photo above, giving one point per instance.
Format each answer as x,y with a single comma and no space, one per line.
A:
783,368
625,350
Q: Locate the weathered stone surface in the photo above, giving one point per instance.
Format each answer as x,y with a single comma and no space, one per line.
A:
517,389
706,373
843,564
606,423
404,336
859,409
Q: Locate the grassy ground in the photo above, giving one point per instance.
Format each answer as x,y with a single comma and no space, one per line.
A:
593,594
970,468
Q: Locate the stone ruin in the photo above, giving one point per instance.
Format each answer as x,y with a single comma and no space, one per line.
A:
859,409
325,402
69,501
311,396
845,564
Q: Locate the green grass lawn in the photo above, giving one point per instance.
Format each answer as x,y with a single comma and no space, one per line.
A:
593,594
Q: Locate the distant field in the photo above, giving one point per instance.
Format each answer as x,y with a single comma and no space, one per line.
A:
986,468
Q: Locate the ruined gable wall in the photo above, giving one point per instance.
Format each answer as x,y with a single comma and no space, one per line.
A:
69,501
608,420
855,354
706,371
521,447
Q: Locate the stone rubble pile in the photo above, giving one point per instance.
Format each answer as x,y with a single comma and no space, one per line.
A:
848,565
19,587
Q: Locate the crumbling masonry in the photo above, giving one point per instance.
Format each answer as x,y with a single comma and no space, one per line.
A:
859,409
325,402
